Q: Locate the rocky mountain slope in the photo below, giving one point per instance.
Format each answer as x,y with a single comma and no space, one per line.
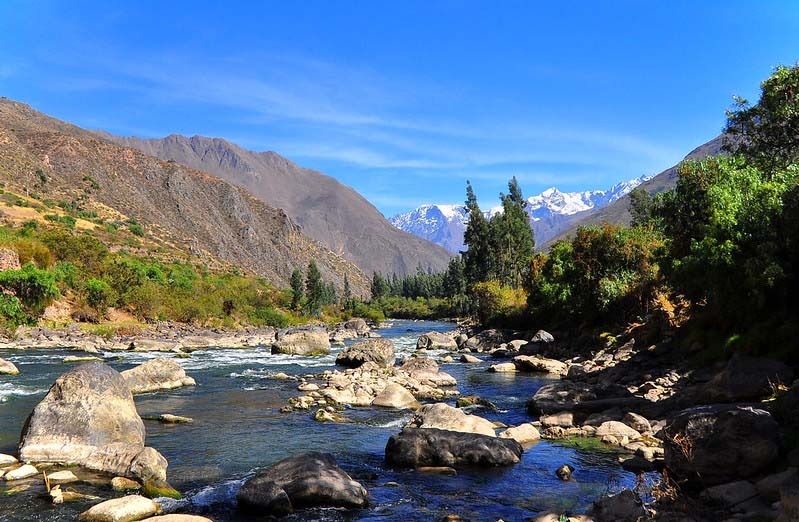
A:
328,211
551,212
618,211
192,213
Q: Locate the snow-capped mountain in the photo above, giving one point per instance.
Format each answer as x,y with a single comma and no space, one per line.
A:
551,212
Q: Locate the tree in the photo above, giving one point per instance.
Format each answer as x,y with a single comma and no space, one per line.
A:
297,288
380,287
511,237
346,295
477,256
767,133
314,289
641,205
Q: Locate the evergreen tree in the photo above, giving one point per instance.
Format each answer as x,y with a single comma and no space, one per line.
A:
347,293
511,238
314,289
297,288
380,287
477,257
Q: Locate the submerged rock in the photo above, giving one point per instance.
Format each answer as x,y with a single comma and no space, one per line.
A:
157,374
378,351
307,480
416,447
89,418
302,341
564,472
712,445
445,417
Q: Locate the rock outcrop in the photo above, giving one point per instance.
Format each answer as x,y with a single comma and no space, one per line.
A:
419,447
378,351
308,480
157,374
88,418
302,341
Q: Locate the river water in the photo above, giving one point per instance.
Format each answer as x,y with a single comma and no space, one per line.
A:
238,427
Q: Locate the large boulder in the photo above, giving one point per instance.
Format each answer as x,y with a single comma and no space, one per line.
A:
432,447
302,341
621,507
445,417
89,418
711,445
123,509
351,329
436,341
157,374
425,370
487,340
746,379
8,368
307,480
559,396
378,351
538,343
397,396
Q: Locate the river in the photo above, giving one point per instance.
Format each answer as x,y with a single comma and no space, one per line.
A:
238,427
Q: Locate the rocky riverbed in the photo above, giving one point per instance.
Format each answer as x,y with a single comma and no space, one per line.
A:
535,433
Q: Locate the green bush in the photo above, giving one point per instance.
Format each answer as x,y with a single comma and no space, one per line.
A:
34,288
270,317
136,229
11,312
100,295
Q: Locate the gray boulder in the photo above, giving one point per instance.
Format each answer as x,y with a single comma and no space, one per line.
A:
395,395
302,341
378,351
711,445
622,507
302,481
487,340
157,374
417,447
436,341
538,343
88,418
445,417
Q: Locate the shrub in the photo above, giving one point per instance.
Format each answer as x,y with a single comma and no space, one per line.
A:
33,250
11,312
34,288
99,295
269,317
66,273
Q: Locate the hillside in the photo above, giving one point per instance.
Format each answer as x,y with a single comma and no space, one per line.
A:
328,211
618,212
186,212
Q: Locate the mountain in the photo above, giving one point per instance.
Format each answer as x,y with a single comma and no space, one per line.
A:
328,211
618,212
551,212
184,211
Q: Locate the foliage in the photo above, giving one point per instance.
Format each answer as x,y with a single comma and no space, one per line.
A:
270,317
99,295
499,305
314,289
476,257
34,288
11,312
297,288
511,238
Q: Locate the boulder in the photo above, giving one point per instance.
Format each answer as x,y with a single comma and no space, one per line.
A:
445,417
471,359
622,507
433,447
378,351
8,368
124,484
357,325
22,472
475,401
523,433
302,341
564,472
503,368
307,480
156,374
89,418
396,396
62,477
538,342
179,518
425,370
746,379
7,460
637,422
731,493
123,509
617,429
717,444
564,419
486,340
436,341
559,396
769,487
534,363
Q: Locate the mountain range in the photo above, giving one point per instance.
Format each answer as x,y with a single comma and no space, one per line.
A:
328,211
551,213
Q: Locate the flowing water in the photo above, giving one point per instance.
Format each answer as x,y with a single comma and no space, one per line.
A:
238,427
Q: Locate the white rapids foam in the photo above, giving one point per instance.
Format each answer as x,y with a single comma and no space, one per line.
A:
9,389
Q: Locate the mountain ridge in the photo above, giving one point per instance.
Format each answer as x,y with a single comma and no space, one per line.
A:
327,210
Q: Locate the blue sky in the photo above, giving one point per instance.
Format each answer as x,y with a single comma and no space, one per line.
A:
406,100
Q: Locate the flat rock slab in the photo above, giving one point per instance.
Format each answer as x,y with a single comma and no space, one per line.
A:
62,477
124,509
21,472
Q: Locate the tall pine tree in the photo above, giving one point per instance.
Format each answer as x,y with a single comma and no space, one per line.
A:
297,288
477,256
511,238
314,289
